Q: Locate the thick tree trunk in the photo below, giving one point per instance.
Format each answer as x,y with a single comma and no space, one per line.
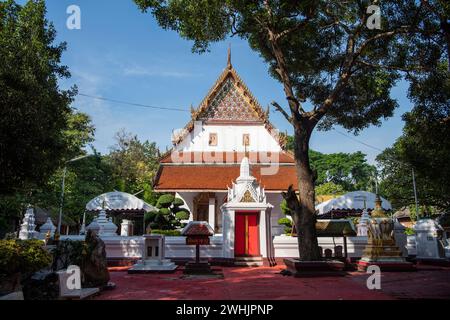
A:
303,209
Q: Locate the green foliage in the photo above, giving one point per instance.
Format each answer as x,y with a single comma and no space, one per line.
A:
350,171
329,188
23,256
34,113
68,253
165,201
169,214
338,173
285,222
288,230
178,202
182,215
410,231
167,233
134,165
284,208
164,211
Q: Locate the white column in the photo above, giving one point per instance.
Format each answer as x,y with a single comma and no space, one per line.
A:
228,233
212,213
263,233
126,227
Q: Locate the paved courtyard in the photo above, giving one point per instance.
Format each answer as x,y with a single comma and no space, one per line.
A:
267,284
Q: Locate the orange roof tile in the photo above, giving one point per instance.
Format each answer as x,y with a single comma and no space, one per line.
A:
218,177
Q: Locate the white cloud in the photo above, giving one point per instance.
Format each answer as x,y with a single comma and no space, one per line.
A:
142,71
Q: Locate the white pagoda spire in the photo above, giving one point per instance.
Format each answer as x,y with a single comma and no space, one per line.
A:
245,174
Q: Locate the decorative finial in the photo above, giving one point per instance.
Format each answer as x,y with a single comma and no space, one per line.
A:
229,65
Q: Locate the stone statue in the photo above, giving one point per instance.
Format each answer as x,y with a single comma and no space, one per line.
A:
381,249
95,267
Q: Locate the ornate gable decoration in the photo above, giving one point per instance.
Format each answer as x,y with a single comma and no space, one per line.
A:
228,100
246,189
228,104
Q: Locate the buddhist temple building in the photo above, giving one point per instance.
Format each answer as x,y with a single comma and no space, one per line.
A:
228,125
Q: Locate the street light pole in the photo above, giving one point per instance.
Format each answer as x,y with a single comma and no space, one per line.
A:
62,198
415,194
61,205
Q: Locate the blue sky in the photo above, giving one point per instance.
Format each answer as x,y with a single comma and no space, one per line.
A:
121,53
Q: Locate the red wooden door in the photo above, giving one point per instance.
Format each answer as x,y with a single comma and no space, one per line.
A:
246,234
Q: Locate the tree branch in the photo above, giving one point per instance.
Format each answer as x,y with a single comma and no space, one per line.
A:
395,68
282,111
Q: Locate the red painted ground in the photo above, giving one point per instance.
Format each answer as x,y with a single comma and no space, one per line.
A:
267,284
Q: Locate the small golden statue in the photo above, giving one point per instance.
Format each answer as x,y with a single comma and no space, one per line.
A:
48,235
381,249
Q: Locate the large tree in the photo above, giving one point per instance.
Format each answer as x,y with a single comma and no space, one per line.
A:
84,178
350,171
33,110
424,146
134,164
334,69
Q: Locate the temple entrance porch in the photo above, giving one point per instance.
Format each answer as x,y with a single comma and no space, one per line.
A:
205,206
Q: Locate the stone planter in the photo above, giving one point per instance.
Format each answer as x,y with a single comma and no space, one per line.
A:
315,268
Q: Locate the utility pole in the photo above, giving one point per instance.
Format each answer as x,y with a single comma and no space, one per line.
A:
63,183
415,194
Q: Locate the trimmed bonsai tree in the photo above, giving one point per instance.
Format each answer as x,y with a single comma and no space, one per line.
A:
169,214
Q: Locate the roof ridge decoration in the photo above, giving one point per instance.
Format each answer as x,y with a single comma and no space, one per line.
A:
244,92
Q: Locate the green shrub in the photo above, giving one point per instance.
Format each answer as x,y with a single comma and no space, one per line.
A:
182,215
68,253
164,211
284,208
23,256
410,232
165,201
167,233
285,222
178,202
169,214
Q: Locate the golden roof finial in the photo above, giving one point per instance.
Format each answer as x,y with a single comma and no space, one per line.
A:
229,65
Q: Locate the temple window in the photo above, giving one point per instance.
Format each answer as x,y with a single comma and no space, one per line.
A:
246,140
213,139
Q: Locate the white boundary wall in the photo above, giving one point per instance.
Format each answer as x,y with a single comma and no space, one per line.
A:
285,246
131,247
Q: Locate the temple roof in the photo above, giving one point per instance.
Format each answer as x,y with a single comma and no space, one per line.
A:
172,178
228,101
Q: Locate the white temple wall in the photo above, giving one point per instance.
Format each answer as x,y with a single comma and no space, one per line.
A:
229,138
285,246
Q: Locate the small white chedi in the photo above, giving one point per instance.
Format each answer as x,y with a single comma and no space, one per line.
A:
103,226
363,224
47,228
28,226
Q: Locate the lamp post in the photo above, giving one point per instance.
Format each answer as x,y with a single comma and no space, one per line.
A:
63,186
415,194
